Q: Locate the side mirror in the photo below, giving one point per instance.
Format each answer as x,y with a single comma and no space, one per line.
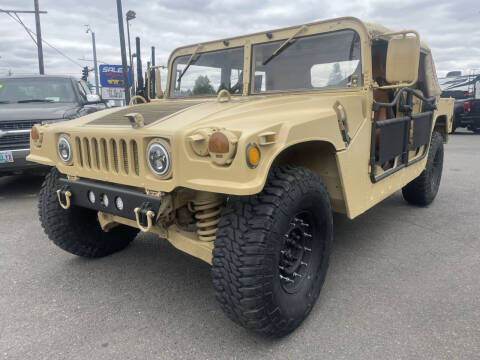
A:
403,55
93,99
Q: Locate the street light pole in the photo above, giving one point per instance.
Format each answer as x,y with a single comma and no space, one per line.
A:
97,89
130,15
123,52
39,38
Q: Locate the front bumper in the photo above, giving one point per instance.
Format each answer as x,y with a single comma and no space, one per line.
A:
19,164
472,120
135,204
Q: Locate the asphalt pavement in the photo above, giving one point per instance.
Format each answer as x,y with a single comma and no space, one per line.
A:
403,283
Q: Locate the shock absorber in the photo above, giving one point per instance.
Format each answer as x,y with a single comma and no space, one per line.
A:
207,214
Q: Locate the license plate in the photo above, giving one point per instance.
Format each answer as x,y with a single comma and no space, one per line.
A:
6,157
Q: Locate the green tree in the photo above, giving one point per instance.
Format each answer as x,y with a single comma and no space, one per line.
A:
203,86
335,76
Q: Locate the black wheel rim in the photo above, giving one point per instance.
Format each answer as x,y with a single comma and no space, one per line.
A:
296,253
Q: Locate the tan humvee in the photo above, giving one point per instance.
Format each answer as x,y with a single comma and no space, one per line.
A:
256,140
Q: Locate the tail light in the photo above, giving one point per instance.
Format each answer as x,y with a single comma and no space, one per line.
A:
467,106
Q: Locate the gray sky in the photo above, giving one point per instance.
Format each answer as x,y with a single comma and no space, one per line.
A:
450,28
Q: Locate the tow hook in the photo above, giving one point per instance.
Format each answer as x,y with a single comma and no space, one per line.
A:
144,216
64,195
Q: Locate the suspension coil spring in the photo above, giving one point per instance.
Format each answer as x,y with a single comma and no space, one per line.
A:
207,214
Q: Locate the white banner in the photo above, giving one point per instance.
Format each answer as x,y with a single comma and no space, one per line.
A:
111,93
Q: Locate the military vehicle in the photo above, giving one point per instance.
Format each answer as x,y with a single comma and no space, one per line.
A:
253,144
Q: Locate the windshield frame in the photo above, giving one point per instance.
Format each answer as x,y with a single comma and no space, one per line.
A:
172,79
314,28
303,90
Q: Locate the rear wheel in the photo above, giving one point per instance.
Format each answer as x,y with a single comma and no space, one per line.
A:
77,229
271,252
423,190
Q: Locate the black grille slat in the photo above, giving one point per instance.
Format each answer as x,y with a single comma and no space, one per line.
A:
17,125
15,141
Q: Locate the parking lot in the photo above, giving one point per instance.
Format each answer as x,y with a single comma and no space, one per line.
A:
403,283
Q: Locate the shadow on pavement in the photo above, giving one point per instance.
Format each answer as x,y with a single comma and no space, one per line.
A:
154,278
20,185
465,132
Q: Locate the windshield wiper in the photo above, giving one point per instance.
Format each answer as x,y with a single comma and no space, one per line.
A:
189,62
285,45
4,102
34,100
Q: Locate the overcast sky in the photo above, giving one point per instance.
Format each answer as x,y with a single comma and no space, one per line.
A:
450,28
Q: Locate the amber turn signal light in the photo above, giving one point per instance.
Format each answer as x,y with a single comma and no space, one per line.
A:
218,143
253,155
34,133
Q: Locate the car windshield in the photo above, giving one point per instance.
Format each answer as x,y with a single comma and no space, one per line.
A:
36,89
330,60
205,74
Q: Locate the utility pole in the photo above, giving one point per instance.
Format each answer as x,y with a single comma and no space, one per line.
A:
123,52
152,75
140,88
39,38
38,42
97,88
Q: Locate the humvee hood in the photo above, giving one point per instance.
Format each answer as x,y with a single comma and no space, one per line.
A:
172,115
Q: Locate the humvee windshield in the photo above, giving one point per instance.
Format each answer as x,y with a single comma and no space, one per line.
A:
330,60
315,62
208,73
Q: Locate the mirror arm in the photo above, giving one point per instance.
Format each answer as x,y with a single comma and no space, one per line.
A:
157,80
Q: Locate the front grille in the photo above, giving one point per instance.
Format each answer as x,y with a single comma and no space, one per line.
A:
16,141
116,156
17,124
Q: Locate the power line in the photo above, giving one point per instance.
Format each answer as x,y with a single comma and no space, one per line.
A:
31,34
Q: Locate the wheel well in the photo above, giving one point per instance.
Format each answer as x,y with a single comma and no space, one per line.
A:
441,126
318,156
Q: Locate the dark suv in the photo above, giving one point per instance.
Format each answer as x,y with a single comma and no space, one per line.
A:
27,100
466,92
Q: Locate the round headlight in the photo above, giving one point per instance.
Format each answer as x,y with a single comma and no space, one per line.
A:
64,149
158,159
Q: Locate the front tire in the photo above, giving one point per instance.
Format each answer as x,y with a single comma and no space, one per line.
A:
272,250
77,229
423,190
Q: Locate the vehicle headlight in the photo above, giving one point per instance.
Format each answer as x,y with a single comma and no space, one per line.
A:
158,158
64,149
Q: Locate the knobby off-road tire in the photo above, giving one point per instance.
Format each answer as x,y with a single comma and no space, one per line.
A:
271,252
423,190
77,229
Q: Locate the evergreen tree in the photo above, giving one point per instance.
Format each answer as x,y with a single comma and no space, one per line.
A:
203,86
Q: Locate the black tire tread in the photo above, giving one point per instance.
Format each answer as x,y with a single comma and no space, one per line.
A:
77,230
419,192
241,273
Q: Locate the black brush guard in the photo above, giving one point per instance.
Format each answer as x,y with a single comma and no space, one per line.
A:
137,206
